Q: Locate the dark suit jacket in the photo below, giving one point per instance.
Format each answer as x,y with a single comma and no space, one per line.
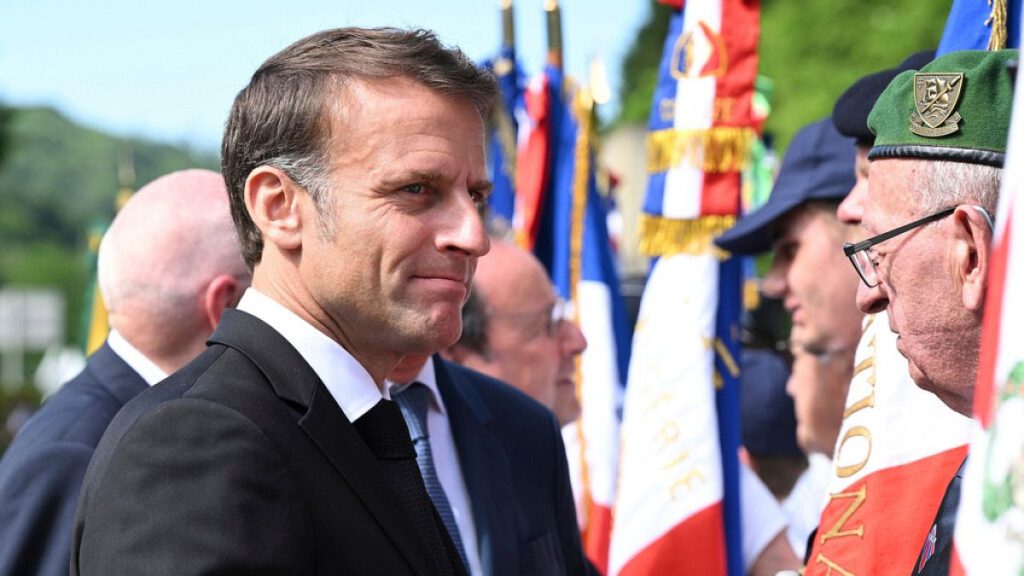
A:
42,470
240,463
936,553
513,461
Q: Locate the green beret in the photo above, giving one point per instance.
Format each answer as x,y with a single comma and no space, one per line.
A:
955,108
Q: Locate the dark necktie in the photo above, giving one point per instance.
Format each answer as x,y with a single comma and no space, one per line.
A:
384,431
415,400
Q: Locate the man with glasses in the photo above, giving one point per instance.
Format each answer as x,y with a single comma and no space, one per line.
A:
515,329
934,178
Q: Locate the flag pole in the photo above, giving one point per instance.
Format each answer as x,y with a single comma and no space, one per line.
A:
554,19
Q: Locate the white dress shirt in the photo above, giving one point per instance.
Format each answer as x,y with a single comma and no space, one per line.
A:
351,386
135,360
446,461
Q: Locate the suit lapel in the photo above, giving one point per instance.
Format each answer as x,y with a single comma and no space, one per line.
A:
295,381
485,470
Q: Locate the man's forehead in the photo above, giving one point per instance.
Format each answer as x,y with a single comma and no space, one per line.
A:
888,195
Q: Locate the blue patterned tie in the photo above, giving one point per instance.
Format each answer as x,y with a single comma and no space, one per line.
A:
414,401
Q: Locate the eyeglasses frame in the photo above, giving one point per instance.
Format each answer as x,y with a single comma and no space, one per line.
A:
851,249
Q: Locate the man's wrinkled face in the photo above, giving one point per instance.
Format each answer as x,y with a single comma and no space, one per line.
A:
814,280
393,266
916,285
526,346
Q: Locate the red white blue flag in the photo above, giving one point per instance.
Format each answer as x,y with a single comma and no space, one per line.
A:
677,510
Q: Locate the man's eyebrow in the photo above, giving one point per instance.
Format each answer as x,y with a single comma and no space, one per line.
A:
482,187
406,176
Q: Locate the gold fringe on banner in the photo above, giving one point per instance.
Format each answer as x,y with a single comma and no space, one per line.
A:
666,236
997,22
722,149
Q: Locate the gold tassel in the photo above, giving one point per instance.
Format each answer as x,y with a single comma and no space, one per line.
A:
667,236
997,21
716,150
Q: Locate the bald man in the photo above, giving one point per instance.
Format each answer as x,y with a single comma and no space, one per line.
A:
514,329
168,266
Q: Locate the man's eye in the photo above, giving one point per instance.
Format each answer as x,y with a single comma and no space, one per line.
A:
414,188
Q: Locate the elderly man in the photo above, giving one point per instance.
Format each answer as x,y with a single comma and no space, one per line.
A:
168,266
355,166
799,224
934,178
516,331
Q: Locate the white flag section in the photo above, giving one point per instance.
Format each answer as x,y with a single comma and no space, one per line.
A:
592,441
897,449
989,535
668,512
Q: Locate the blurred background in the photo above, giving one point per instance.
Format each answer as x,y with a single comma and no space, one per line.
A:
99,98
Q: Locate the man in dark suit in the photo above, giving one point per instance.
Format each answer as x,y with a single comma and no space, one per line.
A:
163,303
500,461
509,506
355,167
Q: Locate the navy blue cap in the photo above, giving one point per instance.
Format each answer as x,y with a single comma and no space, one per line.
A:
850,114
766,411
819,165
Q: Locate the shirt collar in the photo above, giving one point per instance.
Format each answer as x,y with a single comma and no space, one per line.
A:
351,386
135,360
428,377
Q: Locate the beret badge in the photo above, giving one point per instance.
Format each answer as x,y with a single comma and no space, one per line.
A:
936,97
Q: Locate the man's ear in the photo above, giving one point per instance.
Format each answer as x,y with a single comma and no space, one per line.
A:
454,353
272,199
222,292
972,238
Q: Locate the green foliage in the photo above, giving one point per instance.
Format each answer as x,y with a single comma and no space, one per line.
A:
5,120
815,50
57,182
812,50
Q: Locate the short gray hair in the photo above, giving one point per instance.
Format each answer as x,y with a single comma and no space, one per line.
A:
949,183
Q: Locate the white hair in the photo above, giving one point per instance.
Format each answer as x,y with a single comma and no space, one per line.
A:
950,183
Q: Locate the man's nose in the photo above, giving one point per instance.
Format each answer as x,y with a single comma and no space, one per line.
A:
464,229
871,300
573,342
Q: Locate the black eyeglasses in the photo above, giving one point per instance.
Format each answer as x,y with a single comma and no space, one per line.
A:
864,262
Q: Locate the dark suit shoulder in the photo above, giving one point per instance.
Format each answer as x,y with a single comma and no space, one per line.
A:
500,397
79,412
199,484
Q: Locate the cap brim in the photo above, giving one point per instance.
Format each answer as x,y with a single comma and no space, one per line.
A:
752,234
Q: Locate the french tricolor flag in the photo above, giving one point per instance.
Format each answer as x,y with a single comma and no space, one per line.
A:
677,510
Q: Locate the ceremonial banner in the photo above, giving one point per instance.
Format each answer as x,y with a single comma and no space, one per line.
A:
677,510
573,244
897,449
989,536
981,25
533,165
503,135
